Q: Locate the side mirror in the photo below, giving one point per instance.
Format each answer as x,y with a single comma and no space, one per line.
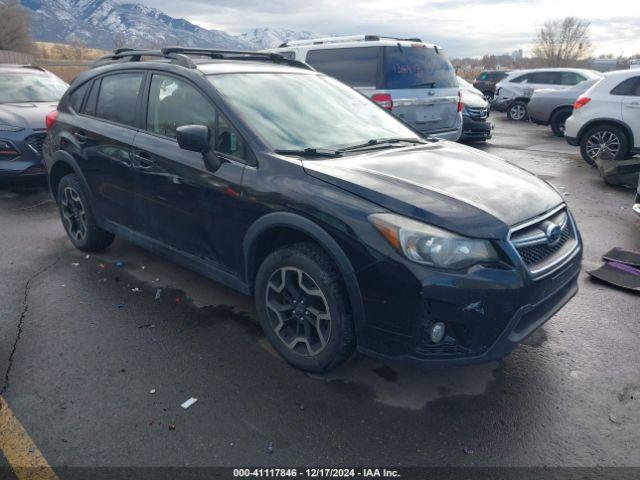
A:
195,138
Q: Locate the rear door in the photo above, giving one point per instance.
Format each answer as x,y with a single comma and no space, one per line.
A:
423,86
192,209
105,132
631,106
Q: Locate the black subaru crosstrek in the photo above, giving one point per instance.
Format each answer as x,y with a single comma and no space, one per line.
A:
349,228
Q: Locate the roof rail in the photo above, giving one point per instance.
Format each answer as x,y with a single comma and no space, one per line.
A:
180,56
343,39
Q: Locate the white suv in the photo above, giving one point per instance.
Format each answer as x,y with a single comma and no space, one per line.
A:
514,91
412,79
606,118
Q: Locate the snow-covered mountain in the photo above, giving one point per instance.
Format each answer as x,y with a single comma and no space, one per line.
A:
106,24
261,38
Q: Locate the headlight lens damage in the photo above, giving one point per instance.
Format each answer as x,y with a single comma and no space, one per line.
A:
430,245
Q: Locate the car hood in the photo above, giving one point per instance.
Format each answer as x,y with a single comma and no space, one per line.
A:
471,99
445,184
27,115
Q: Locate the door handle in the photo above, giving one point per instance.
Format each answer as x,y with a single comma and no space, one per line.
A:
81,136
144,160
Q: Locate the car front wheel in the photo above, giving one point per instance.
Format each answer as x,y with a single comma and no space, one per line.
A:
303,308
604,142
77,217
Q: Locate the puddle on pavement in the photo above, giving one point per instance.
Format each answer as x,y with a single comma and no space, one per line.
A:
408,387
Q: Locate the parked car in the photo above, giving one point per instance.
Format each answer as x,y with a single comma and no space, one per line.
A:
606,118
514,91
410,78
475,112
27,94
552,106
349,228
486,82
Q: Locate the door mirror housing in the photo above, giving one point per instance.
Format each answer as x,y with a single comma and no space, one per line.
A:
194,138
197,138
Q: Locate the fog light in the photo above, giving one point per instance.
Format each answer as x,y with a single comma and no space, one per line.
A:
437,332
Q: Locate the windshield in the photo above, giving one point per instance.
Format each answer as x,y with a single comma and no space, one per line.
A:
299,111
415,67
28,87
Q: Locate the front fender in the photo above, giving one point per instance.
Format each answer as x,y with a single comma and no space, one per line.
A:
322,237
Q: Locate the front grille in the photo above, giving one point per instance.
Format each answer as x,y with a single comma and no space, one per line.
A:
538,251
478,113
36,141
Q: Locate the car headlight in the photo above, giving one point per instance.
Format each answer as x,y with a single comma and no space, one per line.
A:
10,128
429,245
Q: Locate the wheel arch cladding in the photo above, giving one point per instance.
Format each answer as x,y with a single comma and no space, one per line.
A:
607,121
63,164
283,228
561,108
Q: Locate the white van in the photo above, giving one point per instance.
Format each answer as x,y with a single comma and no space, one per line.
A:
413,79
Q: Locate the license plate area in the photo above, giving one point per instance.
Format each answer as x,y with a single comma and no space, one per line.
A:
428,114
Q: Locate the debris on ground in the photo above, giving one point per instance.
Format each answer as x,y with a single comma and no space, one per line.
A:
119,264
614,419
143,267
147,325
158,292
87,257
120,306
189,402
136,290
75,264
468,451
152,391
270,448
300,405
172,426
101,266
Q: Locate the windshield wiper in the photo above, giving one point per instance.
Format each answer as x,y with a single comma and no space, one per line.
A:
310,152
425,84
380,141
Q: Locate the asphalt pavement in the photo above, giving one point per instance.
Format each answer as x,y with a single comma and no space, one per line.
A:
100,357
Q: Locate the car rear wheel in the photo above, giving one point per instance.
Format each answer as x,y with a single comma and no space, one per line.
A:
517,111
303,308
604,142
77,217
557,122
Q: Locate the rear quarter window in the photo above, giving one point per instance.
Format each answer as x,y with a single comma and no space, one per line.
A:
631,86
357,67
77,96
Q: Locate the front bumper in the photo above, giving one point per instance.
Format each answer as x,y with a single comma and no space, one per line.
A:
501,103
28,162
487,311
475,130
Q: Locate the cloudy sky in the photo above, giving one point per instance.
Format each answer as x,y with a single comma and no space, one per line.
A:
464,27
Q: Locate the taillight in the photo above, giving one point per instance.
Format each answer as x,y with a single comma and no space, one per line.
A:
50,119
581,102
384,100
460,101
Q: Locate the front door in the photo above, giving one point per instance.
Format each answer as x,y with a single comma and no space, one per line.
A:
631,109
192,209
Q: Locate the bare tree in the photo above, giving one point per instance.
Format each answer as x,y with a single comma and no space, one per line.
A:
561,43
15,28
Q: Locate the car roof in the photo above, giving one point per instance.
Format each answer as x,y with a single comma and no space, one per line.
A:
632,72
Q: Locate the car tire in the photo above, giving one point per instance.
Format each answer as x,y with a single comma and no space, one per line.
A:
558,120
614,139
303,309
517,111
78,218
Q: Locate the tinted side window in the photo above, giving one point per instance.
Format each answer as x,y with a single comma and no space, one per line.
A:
174,103
570,78
357,67
545,78
118,97
77,96
522,78
631,86
92,99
